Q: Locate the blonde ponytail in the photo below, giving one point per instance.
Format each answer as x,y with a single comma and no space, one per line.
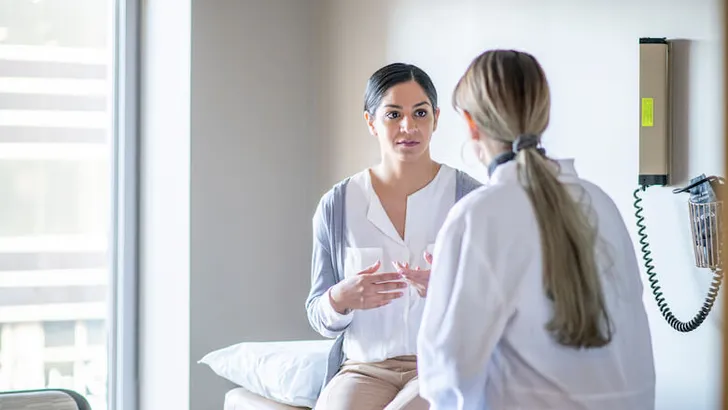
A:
507,95
569,263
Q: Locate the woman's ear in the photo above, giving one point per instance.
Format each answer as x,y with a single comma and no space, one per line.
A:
370,123
437,117
474,131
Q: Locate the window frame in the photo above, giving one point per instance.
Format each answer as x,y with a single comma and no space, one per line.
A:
123,326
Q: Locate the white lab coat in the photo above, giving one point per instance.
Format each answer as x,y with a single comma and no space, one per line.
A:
482,343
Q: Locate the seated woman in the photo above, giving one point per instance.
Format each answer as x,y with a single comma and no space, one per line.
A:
385,215
535,297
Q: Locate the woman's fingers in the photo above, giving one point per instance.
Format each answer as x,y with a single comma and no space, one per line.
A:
391,295
384,277
398,266
371,269
416,275
383,287
381,299
428,257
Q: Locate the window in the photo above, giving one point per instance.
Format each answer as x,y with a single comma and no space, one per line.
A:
63,71
59,334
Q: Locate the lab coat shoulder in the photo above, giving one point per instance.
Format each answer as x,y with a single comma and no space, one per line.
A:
483,203
469,235
600,198
478,232
608,212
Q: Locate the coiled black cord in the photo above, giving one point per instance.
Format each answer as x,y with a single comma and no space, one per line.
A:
654,285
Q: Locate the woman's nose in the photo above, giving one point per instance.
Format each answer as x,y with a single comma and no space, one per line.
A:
408,125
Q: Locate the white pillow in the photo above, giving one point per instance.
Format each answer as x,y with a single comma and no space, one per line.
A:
290,372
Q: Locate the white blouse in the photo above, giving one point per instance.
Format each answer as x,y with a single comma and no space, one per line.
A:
483,344
375,335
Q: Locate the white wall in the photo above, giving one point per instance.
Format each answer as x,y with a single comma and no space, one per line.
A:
255,177
589,50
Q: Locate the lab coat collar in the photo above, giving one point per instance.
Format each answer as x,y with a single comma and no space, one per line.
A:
500,160
508,171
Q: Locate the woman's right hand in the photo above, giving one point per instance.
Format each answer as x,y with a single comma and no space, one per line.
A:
366,290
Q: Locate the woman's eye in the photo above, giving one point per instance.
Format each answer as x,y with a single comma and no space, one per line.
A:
392,115
421,113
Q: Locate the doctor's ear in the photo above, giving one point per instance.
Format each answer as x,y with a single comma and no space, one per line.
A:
370,123
472,128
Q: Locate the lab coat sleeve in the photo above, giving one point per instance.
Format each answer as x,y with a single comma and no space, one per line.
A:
464,317
321,315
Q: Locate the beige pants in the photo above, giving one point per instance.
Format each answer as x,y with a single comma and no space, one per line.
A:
388,385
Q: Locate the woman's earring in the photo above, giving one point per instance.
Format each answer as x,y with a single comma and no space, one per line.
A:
475,149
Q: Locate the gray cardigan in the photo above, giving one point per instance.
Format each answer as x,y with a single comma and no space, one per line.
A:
327,265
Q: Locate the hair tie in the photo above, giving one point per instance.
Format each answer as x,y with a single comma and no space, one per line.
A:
526,141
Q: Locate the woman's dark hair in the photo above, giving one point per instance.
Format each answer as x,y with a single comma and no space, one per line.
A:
388,76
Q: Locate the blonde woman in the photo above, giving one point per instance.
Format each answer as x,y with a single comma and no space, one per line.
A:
535,299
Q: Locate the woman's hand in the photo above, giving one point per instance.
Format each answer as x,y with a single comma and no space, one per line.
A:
366,290
417,277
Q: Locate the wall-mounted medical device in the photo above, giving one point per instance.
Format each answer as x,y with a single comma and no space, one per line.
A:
655,141
705,203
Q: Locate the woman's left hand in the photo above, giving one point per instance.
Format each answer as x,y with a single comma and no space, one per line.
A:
417,277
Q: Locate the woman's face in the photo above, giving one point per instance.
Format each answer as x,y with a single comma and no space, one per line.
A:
404,122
